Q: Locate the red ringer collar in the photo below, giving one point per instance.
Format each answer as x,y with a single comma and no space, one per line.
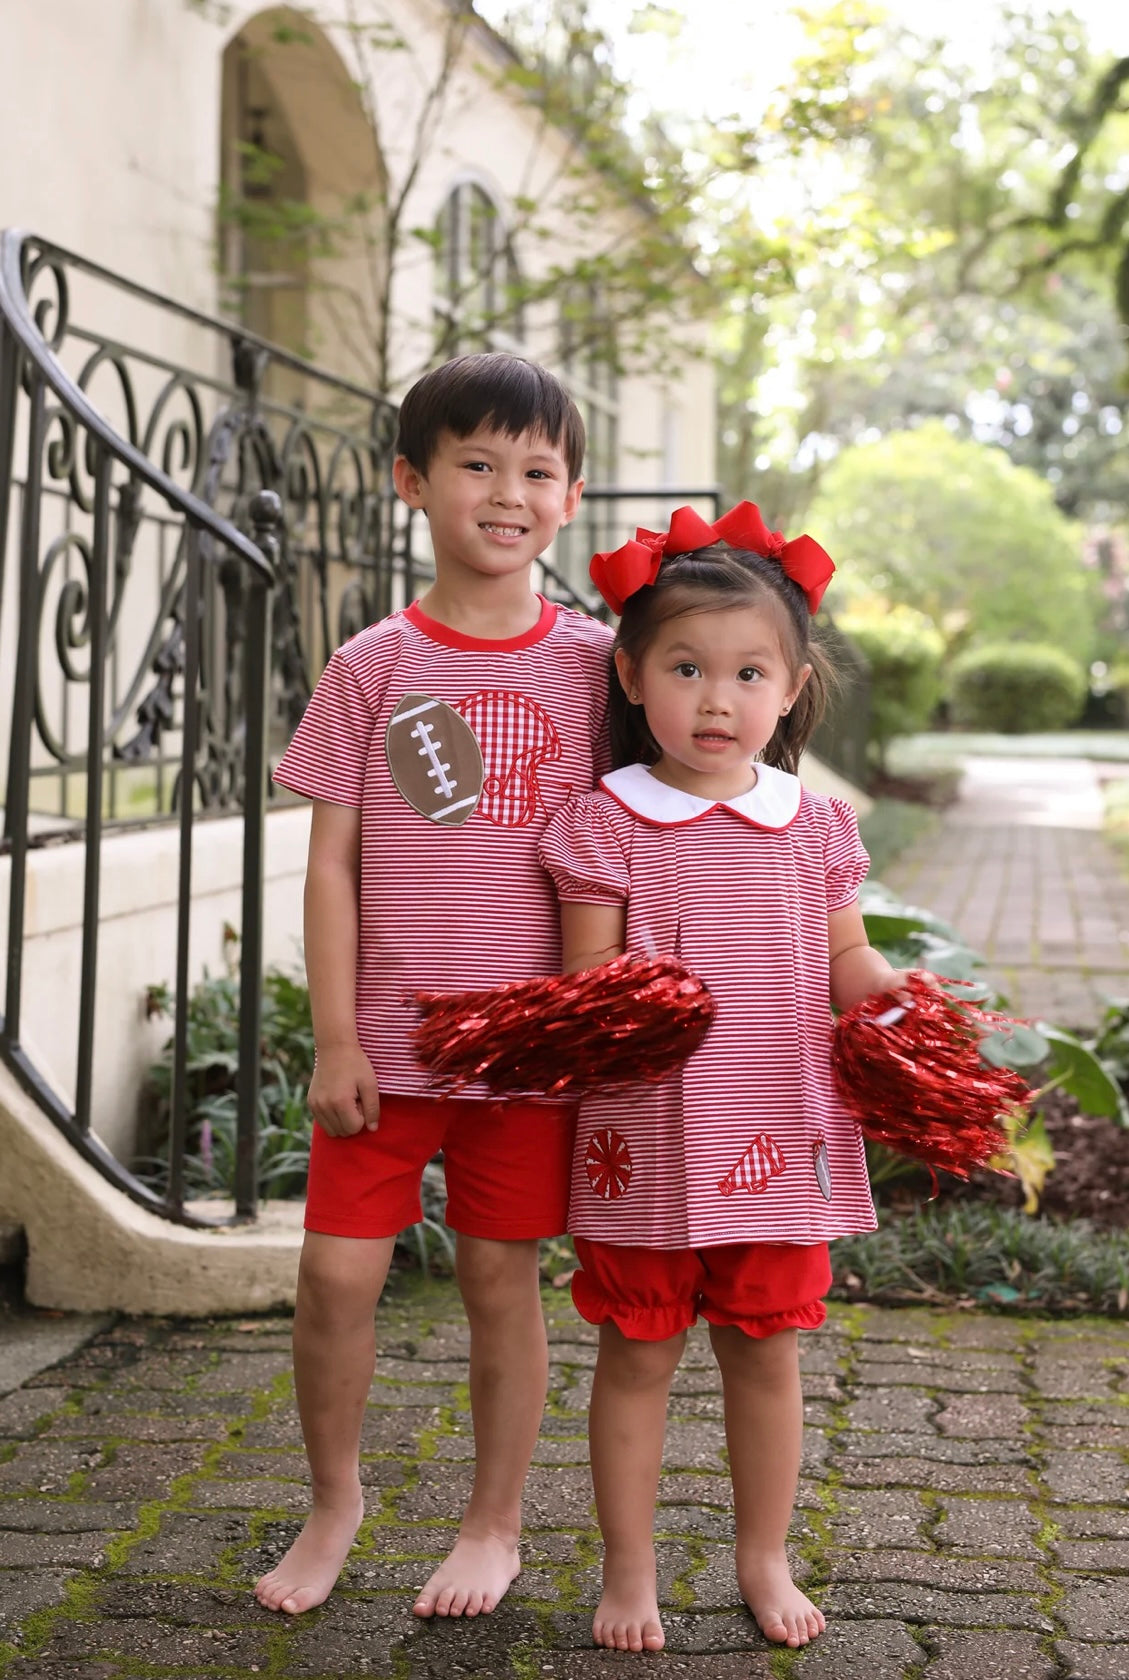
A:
447,637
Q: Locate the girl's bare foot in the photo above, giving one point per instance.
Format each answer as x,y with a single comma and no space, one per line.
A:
472,1579
308,1573
784,1614
627,1616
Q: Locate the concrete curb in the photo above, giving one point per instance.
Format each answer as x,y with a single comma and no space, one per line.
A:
92,1249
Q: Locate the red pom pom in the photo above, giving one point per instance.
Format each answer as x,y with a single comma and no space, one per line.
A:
630,1020
909,1068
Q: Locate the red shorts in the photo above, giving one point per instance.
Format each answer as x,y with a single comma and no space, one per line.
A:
651,1294
507,1167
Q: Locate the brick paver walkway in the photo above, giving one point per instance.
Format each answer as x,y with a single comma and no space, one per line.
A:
1021,870
962,1514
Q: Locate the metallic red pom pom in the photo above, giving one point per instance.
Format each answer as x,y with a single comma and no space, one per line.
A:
908,1066
630,1020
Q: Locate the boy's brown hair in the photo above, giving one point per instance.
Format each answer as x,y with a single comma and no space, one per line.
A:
494,389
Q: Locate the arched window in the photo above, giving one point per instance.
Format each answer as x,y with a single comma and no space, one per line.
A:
477,283
589,366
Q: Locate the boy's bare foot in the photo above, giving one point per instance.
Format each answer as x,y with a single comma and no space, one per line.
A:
472,1579
307,1574
627,1616
784,1614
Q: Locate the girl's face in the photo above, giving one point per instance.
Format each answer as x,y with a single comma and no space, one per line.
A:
713,685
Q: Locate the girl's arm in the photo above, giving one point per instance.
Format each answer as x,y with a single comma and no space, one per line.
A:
591,934
857,969
343,1094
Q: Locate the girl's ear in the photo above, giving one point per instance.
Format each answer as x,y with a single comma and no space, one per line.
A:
626,673
802,676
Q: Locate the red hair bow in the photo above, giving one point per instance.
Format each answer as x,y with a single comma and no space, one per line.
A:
621,572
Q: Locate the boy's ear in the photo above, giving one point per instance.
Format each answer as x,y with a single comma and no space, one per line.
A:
409,481
572,502
626,673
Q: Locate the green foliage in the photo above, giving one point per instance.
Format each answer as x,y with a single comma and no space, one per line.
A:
1046,1056
1088,1070
974,260
904,652
1016,689
212,1068
287,1049
972,1254
890,826
927,520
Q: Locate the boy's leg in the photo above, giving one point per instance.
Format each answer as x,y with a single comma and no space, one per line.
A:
626,1429
509,1370
339,1284
764,1414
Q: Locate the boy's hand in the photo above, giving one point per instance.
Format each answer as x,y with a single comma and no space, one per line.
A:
343,1094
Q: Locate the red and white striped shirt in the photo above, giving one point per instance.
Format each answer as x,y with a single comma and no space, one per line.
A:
748,1141
449,904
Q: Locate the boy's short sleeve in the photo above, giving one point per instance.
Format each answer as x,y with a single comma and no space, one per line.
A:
585,856
327,756
847,860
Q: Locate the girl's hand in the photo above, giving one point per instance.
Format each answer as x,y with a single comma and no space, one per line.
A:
343,1094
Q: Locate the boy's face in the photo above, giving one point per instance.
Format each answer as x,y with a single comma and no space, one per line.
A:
494,503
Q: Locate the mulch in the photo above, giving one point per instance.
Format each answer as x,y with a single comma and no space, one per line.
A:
1090,1178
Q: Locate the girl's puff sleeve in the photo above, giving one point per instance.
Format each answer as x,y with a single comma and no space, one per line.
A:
846,856
327,756
583,853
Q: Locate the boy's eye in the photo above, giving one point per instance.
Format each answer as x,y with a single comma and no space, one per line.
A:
477,466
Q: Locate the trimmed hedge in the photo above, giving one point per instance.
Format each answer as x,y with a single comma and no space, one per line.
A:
904,652
1016,689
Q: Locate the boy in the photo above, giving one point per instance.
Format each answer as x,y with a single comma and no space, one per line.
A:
435,748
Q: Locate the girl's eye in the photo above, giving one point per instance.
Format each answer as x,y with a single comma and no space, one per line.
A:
686,669
747,674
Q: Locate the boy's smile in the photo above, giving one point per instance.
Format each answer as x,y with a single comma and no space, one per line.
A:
494,503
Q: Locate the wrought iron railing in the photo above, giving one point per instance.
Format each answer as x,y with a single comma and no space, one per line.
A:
191,536
191,519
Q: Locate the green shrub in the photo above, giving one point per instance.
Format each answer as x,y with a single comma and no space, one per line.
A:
984,1256
287,1065
904,651
889,827
1016,689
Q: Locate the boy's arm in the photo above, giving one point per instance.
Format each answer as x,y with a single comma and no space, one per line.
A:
857,969
591,934
343,1095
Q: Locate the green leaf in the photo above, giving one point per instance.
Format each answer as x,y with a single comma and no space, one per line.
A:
1076,1069
1016,1046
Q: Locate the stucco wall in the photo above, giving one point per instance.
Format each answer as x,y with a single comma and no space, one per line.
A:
137,945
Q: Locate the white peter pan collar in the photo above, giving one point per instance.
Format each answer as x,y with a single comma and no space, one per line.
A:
773,803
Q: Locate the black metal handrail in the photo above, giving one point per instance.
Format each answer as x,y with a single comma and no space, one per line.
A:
64,433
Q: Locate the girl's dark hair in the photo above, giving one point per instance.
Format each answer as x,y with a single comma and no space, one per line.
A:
709,580
491,388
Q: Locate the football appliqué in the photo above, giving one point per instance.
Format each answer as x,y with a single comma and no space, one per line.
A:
435,759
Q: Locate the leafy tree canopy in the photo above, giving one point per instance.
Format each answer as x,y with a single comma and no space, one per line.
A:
954,530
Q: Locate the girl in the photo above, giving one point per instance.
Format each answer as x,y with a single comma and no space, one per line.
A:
715,1191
